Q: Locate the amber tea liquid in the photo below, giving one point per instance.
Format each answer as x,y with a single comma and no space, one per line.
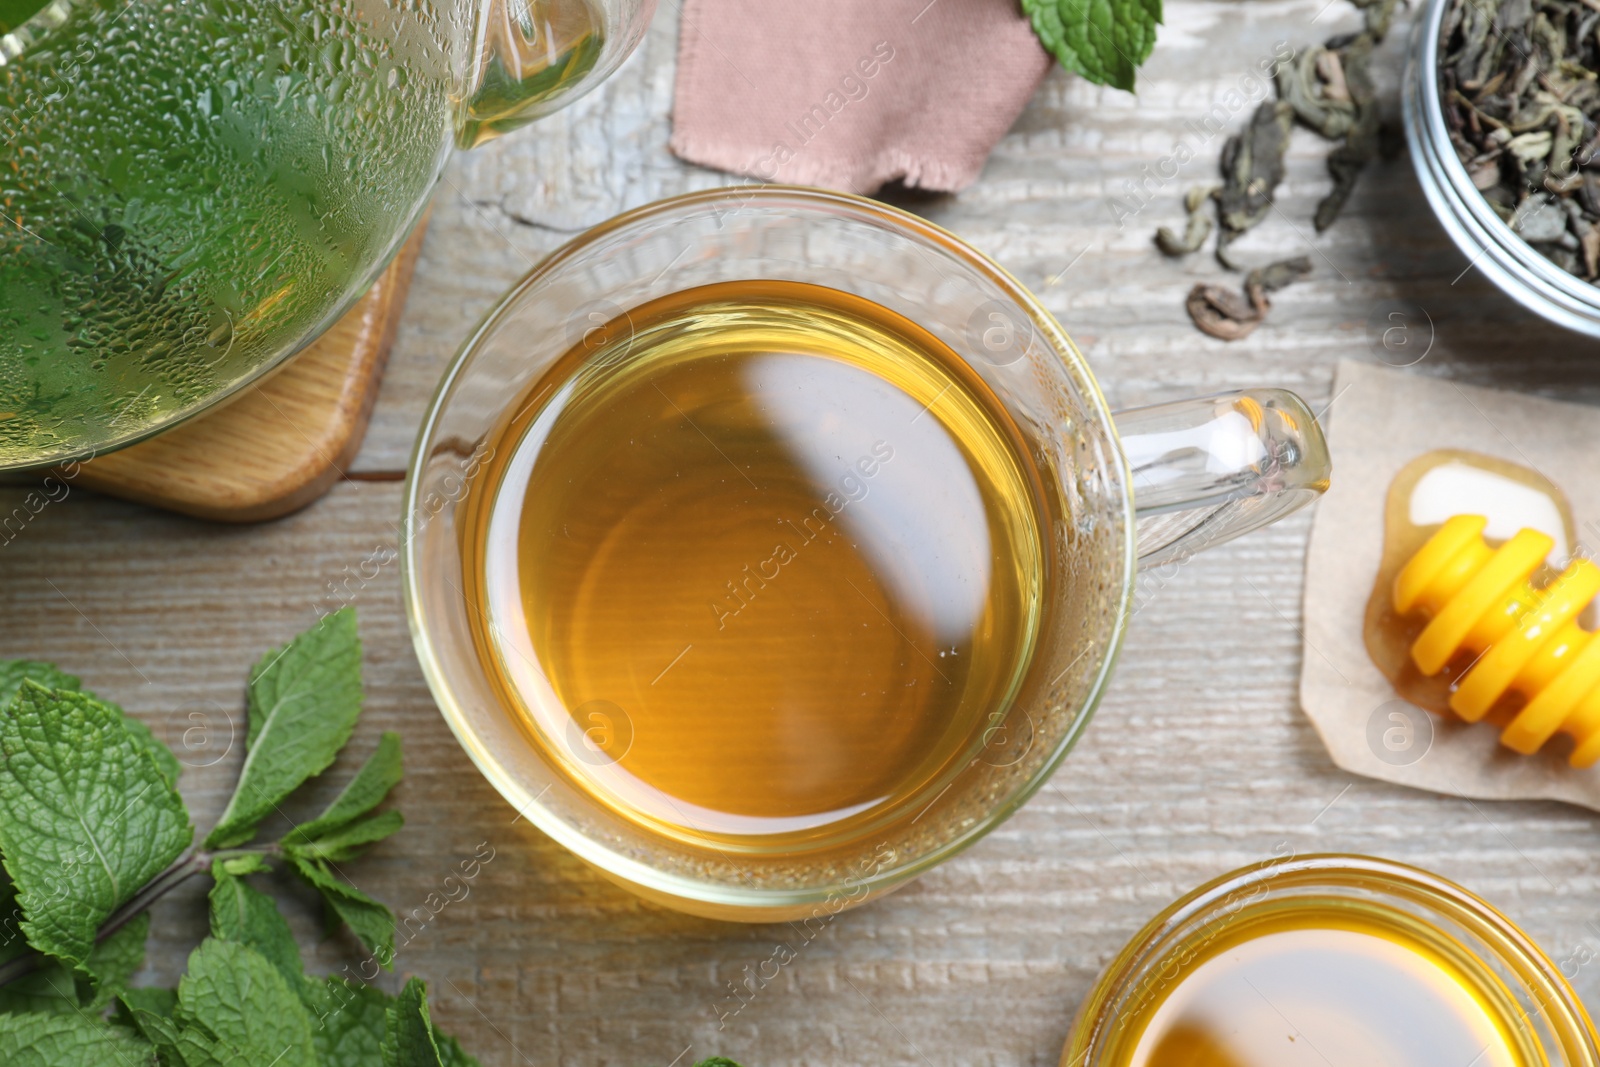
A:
1323,987
757,564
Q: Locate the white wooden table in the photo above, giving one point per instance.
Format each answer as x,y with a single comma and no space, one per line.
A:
1200,760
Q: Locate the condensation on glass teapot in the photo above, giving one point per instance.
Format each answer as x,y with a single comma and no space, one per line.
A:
189,193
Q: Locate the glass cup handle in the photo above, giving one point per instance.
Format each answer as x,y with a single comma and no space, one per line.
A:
1208,469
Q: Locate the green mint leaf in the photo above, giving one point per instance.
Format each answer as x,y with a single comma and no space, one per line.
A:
348,1022
349,841
69,1041
304,700
165,761
149,1012
369,920
86,817
12,943
1103,40
178,1047
239,866
408,1039
243,914
234,995
196,1048
112,964
56,987
52,989
152,999
366,791
13,672
450,1052
159,1030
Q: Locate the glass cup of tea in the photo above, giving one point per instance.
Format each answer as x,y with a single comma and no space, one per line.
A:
767,546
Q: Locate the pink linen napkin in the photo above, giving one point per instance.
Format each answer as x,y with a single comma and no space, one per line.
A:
851,94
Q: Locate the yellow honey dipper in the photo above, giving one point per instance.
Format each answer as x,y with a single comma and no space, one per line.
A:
1480,601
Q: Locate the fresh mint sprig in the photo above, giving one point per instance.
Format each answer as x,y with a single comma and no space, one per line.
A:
304,700
92,832
1106,41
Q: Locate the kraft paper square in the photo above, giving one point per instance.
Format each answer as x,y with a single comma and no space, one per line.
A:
1380,419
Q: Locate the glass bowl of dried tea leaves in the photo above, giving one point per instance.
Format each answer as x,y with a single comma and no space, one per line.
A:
1501,106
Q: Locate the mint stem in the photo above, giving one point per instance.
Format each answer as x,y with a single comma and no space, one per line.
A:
183,868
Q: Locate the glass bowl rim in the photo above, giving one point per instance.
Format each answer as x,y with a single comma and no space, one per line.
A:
593,851
1510,262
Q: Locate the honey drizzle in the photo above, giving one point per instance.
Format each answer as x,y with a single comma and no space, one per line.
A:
1389,635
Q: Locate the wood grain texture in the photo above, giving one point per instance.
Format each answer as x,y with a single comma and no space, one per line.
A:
280,444
1199,761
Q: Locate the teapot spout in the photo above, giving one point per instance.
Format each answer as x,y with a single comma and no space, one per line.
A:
532,57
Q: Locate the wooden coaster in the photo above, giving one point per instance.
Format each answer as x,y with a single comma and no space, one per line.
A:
284,441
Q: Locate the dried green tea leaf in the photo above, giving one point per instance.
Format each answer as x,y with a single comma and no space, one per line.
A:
1197,229
1520,92
1539,219
1275,276
1252,168
1222,312
1314,84
1346,162
1378,16
1230,315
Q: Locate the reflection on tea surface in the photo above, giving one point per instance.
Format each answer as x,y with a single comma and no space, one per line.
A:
1324,995
760,562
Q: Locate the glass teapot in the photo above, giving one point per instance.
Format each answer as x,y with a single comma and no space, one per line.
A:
193,190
